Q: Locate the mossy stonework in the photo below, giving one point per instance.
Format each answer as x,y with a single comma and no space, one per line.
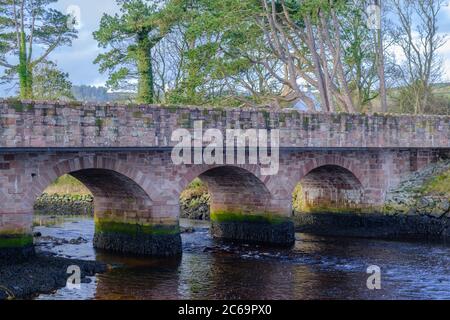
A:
16,246
133,238
263,228
418,207
123,155
64,204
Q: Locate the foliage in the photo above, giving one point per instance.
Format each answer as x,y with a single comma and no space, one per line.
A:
404,99
298,203
256,52
130,38
51,84
417,34
438,185
216,69
67,185
195,193
29,27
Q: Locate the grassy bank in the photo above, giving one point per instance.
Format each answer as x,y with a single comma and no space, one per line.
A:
67,185
438,185
195,201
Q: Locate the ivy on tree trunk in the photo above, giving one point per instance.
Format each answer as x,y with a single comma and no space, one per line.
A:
145,70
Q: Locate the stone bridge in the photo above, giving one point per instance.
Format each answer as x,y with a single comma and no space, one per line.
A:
344,162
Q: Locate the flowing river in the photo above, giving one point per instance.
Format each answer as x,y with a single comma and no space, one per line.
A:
316,268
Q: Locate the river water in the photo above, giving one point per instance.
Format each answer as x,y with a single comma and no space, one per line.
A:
316,268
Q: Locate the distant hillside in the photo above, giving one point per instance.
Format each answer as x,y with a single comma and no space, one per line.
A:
442,89
99,94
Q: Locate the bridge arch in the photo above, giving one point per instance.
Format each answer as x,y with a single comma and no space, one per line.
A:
298,171
242,207
329,188
123,209
48,172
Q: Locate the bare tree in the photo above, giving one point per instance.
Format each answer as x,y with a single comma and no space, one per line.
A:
310,47
417,34
380,60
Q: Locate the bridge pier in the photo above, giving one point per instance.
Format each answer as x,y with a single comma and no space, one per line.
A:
243,209
265,229
127,220
139,239
16,246
16,239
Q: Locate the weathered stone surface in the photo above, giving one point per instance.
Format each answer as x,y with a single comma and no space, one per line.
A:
40,274
16,254
54,204
408,212
198,211
123,155
409,197
27,124
374,226
255,232
195,202
253,228
137,238
139,244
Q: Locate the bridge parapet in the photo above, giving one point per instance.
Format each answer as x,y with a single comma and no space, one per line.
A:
30,124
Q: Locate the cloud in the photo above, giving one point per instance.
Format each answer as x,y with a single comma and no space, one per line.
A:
78,59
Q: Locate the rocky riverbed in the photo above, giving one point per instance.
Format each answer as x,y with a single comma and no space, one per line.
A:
44,273
315,268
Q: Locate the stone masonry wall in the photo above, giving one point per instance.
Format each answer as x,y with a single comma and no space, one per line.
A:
30,124
123,155
24,176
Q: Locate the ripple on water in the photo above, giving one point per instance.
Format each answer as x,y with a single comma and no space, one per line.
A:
316,268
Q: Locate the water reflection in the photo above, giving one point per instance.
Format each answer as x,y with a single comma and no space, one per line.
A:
317,268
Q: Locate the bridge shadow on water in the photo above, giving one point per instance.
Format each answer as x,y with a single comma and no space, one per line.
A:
315,268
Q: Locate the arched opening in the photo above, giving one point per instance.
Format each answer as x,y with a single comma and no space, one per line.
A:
328,189
240,206
66,196
122,212
195,201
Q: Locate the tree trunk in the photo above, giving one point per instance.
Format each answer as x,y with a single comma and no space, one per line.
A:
145,69
317,66
23,68
425,98
29,84
380,66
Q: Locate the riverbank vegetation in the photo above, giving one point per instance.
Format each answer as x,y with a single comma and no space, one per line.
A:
67,185
438,185
425,193
195,201
65,196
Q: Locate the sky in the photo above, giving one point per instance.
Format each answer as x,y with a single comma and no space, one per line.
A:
77,60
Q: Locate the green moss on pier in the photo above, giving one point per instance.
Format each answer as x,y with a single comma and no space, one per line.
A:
105,226
15,240
234,216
